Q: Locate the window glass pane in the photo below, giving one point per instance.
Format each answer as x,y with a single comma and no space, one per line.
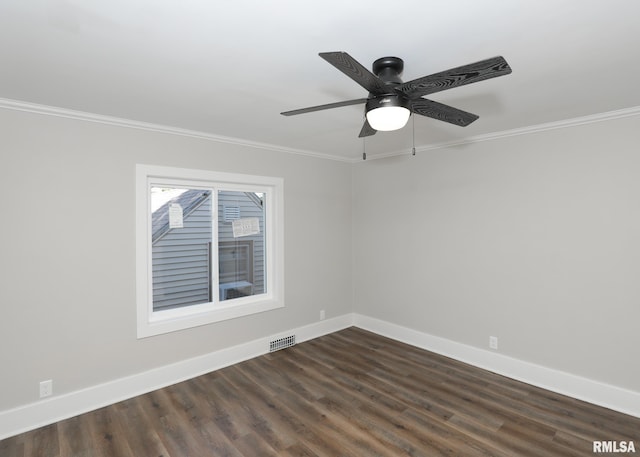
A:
180,246
241,247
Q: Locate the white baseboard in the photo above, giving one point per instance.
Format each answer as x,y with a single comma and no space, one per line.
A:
44,412
608,396
56,408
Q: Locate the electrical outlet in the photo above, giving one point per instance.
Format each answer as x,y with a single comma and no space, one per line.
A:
493,342
322,315
46,388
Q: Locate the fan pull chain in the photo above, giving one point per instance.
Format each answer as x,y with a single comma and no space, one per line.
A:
364,150
413,134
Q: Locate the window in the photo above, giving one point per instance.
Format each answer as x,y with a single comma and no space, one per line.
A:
209,247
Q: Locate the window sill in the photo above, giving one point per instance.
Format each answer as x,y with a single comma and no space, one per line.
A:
194,316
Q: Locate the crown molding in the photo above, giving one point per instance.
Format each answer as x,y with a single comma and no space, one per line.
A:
566,123
17,105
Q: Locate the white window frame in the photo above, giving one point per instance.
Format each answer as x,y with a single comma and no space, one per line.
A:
150,322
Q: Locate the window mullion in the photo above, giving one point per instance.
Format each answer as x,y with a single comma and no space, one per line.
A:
214,280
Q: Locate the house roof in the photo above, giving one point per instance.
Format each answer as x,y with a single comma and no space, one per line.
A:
188,200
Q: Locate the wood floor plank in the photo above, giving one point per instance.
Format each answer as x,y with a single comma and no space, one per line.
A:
253,444
142,437
42,442
108,438
13,446
225,407
73,436
350,393
278,429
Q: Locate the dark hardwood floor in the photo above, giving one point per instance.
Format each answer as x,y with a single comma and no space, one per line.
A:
351,393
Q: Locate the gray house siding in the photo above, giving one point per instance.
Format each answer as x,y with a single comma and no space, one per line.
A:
180,260
249,206
181,257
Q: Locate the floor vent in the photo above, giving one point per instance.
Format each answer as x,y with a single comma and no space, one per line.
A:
282,343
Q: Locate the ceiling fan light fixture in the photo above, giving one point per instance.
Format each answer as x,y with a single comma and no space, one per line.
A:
387,113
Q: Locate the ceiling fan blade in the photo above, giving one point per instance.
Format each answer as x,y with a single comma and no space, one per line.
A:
354,70
321,107
442,112
455,77
367,130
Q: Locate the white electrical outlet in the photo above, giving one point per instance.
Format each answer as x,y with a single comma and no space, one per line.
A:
46,388
493,342
322,315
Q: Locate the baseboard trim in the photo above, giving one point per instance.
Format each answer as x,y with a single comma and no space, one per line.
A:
57,408
606,395
45,412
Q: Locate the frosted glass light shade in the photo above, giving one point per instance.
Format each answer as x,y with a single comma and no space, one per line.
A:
387,118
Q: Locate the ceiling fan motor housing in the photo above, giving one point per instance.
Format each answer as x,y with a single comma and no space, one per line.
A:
387,112
384,101
389,69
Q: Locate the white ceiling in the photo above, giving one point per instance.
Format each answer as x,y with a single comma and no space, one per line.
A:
228,68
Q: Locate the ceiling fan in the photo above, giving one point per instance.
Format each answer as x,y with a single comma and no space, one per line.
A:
391,102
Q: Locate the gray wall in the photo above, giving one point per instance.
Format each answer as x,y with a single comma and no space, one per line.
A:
533,238
67,242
